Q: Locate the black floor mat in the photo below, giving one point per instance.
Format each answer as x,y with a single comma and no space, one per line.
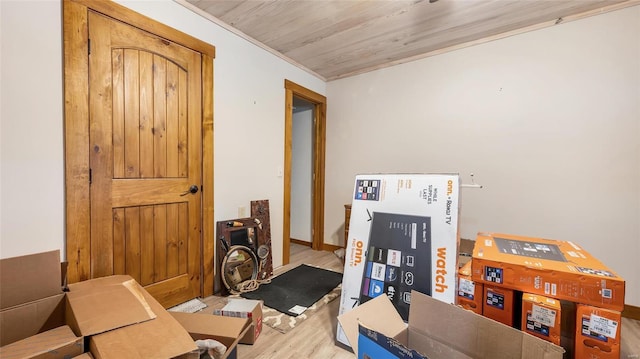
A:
297,289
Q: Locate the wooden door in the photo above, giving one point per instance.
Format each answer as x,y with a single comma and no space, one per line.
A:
145,159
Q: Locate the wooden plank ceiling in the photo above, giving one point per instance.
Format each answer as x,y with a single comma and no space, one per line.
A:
340,38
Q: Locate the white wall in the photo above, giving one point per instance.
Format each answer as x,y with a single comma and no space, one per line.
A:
31,134
548,121
248,119
302,175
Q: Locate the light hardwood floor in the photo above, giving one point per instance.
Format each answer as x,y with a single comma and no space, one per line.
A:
315,337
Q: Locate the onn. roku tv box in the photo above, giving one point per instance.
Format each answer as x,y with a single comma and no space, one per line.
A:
556,269
403,237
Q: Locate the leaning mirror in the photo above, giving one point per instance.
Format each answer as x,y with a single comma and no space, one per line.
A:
240,264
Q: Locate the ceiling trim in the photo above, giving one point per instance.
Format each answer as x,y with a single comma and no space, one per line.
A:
241,34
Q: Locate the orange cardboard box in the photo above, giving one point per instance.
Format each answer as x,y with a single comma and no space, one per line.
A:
541,316
557,269
597,332
469,292
500,305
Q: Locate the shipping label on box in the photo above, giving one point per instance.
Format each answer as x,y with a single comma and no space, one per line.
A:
597,332
403,236
470,293
541,316
557,269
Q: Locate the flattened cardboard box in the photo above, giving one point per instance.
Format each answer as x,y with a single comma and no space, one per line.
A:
556,269
442,331
403,236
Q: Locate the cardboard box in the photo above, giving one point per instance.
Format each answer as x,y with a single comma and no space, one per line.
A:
597,332
91,309
502,305
59,342
244,308
31,299
465,251
541,317
226,330
442,331
470,293
84,356
162,337
557,269
403,236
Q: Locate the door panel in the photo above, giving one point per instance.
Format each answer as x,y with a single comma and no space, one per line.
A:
146,151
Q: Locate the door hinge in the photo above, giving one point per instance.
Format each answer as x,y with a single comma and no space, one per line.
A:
90,176
89,46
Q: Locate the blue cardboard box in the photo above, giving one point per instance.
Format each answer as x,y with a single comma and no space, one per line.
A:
436,330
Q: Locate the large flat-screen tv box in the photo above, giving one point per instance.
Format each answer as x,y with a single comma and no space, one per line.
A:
552,268
403,237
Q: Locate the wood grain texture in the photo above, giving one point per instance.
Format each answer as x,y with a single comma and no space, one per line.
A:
160,243
195,168
173,254
76,114
147,245
132,113
146,114
315,337
133,242
101,145
130,68
118,118
208,236
147,24
335,39
119,241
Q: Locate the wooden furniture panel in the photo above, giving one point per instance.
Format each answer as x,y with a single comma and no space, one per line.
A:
347,217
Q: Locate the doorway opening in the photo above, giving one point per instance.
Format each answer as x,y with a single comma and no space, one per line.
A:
314,106
302,171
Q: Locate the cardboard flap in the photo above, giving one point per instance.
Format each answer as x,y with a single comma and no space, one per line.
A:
377,313
23,321
60,341
433,349
212,325
28,278
102,304
162,337
226,330
472,334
